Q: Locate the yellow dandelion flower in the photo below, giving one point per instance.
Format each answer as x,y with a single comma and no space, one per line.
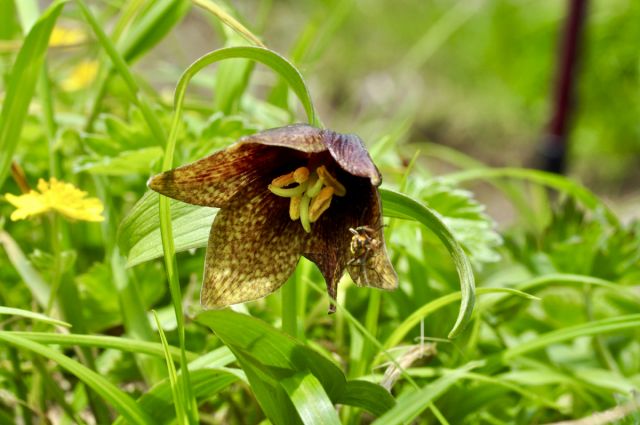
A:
61,36
58,196
82,76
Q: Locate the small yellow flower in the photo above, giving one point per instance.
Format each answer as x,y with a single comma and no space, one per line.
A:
58,196
61,36
82,76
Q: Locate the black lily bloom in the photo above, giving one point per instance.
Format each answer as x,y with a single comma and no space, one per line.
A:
282,193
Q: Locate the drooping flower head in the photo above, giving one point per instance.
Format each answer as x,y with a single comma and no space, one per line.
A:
282,193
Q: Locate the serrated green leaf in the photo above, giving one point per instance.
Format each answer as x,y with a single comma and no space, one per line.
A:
139,233
465,216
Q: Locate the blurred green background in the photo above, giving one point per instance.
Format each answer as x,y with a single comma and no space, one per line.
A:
474,75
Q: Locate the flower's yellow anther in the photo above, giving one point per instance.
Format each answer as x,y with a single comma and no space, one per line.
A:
294,207
315,185
304,213
331,181
288,192
300,175
320,203
284,180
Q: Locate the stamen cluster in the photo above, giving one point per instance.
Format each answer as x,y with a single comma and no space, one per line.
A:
310,192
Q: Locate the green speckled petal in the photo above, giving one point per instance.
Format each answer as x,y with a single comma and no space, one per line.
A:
253,248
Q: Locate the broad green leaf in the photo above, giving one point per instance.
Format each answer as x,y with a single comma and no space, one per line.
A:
268,356
22,84
368,396
119,400
139,233
309,399
32,315
400,206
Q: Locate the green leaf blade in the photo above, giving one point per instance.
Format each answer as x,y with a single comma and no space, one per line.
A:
22,84
401,206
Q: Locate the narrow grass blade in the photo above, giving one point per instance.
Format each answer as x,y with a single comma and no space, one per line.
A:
152,25
120,65
32,315
310,399
229,21
38,287
398,205
109,392
177,394
158,401
22,84
599,327
412,321
103,341
555,181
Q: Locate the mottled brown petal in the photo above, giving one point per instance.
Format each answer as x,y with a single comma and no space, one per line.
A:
301,137
378,271
328,244
253,248
351,154
216,179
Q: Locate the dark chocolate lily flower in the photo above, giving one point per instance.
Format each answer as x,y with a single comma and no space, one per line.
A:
283,193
